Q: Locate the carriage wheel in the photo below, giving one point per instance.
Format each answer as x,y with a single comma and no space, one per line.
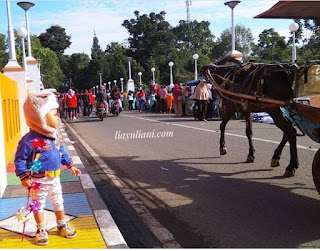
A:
316,170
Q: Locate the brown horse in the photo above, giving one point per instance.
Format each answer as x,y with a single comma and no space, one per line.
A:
254,87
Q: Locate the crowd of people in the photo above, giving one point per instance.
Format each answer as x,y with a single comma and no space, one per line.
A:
180,99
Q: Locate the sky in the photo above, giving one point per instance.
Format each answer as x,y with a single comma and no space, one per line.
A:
81,18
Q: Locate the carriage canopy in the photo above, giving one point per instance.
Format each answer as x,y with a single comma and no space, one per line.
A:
293,10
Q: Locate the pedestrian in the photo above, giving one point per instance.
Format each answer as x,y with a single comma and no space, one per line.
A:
37,161
79,100
71,104
142,100
163,93
177,99
62,105
125,101
86,103
168,100
210,102
153,103
201,96
91,102
130,98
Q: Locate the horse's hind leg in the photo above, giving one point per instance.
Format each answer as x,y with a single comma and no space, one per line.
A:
248,117
290,134
275,161
225,119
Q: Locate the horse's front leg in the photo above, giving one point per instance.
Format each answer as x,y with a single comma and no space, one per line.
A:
248,117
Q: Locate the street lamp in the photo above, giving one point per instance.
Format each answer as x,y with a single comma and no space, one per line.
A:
129,66
293,28
171,76
97,89
121,79
12,50
140,74
195,57
232,4
94,90
26,6
22,32
100,79
115,82
105,86
109,84
153,78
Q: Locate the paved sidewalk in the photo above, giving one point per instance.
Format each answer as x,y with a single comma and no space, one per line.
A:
85,210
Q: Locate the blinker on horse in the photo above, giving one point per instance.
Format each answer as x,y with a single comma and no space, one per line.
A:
254,87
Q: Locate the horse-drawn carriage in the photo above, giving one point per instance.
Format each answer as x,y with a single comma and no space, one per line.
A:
273,88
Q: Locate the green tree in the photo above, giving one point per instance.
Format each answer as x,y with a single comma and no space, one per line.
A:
56,39
150,35
243,40
50,67
98,64
271,47
78,64
194,36
4,56
117,62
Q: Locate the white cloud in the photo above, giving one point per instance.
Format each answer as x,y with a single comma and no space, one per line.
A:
81,18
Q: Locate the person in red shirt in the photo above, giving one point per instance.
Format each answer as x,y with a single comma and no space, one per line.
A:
91,99
177,99
71,104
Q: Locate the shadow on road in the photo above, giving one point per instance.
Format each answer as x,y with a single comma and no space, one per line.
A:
233,212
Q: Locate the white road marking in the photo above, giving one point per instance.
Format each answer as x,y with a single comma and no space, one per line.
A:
215,131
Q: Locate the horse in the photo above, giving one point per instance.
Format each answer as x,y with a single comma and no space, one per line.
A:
254,87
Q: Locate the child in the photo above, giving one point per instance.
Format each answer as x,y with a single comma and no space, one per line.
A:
38,158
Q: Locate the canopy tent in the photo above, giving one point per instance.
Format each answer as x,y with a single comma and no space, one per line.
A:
293,10
194,82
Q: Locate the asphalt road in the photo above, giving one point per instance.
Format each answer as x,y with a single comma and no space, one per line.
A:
208,200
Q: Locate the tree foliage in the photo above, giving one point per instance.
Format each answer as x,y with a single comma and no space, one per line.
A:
243,42
4,56
56,39
271,47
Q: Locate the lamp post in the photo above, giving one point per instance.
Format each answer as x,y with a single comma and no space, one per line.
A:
115,82
94,90
121,79
232,4
12,50
293,28
26,6
195,57
105,86
109,84
22,32
153,78
100,79
171,76
129,66
97,89
140,75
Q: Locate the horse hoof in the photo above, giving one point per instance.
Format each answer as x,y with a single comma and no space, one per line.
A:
275,162
223,151
289,173
250,159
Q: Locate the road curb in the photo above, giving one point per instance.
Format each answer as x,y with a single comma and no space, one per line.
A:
108,228
161,233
